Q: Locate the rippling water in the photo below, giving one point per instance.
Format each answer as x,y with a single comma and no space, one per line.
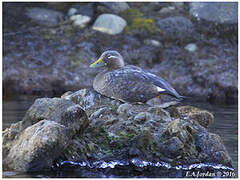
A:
225,125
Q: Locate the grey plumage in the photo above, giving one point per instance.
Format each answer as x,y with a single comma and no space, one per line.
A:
129,83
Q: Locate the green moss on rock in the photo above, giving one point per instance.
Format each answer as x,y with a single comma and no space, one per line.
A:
130,14
142,24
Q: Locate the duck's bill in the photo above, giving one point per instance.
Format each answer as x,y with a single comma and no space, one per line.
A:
97,63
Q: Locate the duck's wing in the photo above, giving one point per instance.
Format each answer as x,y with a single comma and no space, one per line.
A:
136,73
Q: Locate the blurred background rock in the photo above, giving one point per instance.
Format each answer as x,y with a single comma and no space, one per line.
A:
48,47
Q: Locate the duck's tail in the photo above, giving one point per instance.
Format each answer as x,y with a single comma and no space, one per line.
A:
183,98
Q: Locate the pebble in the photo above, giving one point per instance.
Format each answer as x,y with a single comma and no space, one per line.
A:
191,47
110,24
153,42
167,9
80,21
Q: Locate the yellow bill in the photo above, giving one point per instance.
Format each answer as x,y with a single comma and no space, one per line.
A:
97,63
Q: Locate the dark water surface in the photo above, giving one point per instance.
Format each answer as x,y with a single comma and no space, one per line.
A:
225,125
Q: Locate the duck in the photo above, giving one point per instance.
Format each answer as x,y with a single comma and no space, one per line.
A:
128,83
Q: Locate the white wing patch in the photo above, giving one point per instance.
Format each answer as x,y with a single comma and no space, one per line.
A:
160,89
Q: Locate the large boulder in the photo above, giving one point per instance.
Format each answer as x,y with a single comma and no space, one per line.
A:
44,16
56,130
126,131
218,12
37,147
176,28
46,129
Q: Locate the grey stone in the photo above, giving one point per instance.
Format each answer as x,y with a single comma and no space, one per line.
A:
110,24
168,9
211,144
62,111
116,7
153,42
37,147
72,11
44,16
80,20
86,9
124,108
219,12
174,146
176,27
142,117
191,47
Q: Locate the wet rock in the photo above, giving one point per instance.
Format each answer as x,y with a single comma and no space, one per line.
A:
218,12
204,118
116,7
177,27
158,110
211,145
44,16
37,147
142,117
124,108
110,24
98,113
174,147
80,20
62,111
89,99
116,131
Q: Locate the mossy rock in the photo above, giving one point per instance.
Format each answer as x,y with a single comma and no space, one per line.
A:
203,117
141,25
130,14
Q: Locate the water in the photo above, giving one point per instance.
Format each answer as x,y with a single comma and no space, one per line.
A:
225,125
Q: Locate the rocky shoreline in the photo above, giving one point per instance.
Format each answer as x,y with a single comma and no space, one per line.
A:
194,50
85,126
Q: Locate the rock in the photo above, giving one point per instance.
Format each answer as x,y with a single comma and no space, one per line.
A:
204,118
116,7
80,20
72,11
44,16
89,99
153,42
191,47
179,5
211,145
110,24
168,9
86,9
218,12
142,117
177,27
116,131
62,111
124,108
98,113
174,147
37,147
206,72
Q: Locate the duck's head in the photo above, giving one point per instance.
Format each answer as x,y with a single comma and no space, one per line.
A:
109,59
